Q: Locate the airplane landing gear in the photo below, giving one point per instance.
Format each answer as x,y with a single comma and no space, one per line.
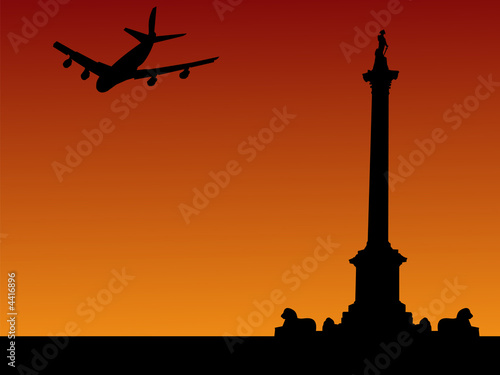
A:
85,75
67,63
184,74
152,81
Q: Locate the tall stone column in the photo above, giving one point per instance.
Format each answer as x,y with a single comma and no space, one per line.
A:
377,308
378,209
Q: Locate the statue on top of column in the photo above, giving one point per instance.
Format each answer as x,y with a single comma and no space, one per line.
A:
382,44
380,59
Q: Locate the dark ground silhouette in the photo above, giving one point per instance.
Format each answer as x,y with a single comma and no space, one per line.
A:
425,355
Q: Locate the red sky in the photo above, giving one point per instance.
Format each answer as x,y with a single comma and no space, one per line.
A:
118,209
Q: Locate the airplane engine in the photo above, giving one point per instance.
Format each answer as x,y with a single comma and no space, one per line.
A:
152,81
67,63
85,75
184,74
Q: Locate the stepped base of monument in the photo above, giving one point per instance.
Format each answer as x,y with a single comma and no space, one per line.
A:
377,320
404,355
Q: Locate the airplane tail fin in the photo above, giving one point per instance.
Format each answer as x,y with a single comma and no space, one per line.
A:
152,21
141,37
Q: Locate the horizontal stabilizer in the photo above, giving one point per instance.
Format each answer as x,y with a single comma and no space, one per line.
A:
141,37
161,38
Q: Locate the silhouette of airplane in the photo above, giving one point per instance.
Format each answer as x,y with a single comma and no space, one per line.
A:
127,66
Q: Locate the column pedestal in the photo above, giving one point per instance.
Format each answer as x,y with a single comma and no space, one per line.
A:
377,310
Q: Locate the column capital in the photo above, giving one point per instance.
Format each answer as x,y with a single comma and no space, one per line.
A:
373,76
380,80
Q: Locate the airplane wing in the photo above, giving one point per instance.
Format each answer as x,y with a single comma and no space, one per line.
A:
144,73
89,64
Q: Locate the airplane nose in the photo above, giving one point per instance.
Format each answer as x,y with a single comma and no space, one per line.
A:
103,85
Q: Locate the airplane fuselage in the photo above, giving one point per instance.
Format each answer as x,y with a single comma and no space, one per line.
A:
125,67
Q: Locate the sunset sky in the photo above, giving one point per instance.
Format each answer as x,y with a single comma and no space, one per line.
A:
286,111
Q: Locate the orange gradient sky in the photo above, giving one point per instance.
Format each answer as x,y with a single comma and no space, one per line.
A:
119,208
